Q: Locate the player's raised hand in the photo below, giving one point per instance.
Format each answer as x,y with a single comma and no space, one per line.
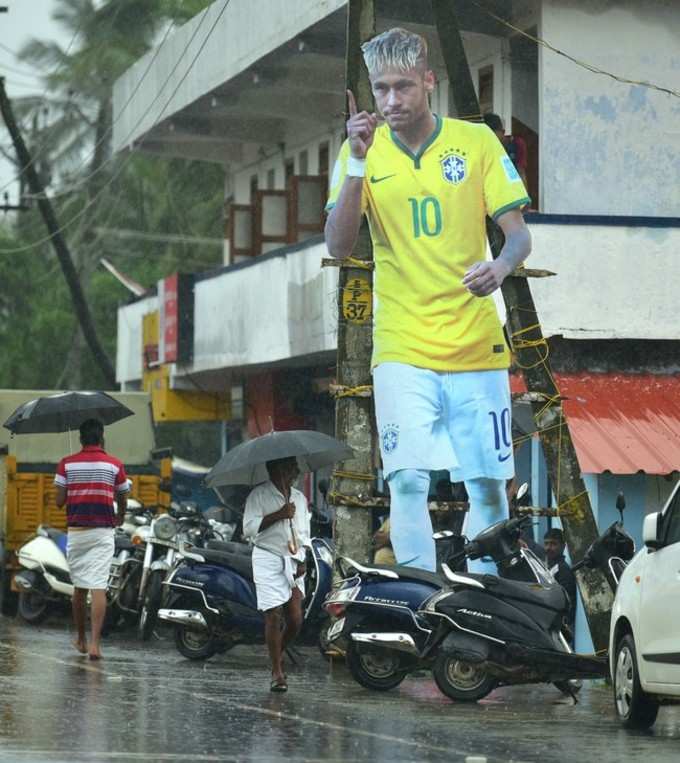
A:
360,128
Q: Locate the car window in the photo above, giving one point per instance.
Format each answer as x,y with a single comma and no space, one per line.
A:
672,521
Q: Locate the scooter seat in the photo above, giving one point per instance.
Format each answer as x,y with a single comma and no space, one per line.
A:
414,573
58,536
238,562
230,547
553,598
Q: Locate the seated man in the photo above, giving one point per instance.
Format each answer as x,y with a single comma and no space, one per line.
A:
553,543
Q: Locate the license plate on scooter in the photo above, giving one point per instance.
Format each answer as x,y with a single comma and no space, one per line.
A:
336,629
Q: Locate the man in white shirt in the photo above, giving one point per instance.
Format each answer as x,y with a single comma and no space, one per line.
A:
276,520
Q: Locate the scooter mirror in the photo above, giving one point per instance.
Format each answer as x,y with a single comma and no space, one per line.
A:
620,504
523,489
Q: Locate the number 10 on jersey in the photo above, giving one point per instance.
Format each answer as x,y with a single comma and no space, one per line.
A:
427,216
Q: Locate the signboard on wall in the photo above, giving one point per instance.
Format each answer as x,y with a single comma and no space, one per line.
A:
150,340
176,301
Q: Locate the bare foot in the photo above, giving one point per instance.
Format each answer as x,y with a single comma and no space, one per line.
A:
95,653
79,645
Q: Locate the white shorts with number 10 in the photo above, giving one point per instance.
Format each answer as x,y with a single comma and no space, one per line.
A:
435,420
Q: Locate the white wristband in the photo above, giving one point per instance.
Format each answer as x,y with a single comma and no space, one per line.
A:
356,168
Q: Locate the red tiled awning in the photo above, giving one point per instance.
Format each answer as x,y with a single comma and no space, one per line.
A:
621,423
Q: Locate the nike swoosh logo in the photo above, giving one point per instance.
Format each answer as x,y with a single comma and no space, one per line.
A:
374,179
504,458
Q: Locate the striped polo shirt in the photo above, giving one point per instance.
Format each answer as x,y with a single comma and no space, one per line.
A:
92,479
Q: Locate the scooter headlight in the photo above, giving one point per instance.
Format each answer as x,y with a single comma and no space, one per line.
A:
165,527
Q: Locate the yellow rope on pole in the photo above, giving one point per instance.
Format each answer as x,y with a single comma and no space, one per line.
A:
525,344
362,390
354,476
347,262
560,508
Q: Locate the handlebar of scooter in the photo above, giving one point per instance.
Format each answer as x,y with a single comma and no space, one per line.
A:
508,530
517,523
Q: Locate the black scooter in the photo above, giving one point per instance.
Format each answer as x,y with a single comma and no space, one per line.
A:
475,632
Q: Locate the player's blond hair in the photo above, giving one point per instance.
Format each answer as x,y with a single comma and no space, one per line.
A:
396,49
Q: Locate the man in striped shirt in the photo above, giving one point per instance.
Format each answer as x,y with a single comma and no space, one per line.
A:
87,484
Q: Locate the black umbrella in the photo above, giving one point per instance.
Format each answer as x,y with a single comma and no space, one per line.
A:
245,464
65,411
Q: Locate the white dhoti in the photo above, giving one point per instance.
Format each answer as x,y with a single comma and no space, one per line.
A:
274,578
89,554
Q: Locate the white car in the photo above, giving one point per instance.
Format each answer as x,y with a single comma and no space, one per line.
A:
644,639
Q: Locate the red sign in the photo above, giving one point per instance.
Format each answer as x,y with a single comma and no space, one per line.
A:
169,319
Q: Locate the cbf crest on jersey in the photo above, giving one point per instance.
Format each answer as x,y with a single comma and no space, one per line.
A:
390,437
454,167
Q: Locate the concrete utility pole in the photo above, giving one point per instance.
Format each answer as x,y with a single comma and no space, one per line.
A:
80,305
531,351
354,421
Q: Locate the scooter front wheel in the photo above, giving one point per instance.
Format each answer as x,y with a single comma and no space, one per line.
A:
462,681
375,668
194,644
33,607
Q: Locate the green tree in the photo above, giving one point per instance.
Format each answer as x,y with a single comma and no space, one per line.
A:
43,346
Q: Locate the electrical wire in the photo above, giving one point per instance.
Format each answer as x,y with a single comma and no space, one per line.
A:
578,62
20,72
41,150
115,176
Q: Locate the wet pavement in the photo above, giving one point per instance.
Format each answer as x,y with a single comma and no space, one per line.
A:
144,702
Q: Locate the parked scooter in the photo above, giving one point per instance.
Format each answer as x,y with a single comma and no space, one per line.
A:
474,631
45,581
212,600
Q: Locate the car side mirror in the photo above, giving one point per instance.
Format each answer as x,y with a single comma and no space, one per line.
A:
650,531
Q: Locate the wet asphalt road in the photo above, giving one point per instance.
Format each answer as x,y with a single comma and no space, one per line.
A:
147,703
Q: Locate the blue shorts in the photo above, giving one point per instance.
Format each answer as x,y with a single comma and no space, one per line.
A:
459,421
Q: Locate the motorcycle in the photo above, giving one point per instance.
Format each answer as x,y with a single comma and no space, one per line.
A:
126,568
184,523
475,632
212,601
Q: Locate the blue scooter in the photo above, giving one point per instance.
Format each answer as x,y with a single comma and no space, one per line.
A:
210,598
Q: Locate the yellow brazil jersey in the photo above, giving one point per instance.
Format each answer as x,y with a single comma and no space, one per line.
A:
426,213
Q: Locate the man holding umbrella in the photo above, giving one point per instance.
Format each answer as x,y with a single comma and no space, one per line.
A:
87,483
276,520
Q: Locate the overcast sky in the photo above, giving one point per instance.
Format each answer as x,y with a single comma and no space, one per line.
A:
24,19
